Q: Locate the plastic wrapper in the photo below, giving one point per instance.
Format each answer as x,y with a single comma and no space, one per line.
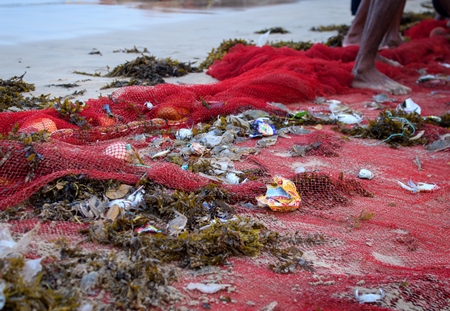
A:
9,247
281,196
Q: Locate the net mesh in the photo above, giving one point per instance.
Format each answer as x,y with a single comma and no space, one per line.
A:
376,233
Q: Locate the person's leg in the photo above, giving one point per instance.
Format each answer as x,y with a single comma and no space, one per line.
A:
366,75
392,38
354,34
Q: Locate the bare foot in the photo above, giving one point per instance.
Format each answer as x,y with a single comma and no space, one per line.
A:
375,80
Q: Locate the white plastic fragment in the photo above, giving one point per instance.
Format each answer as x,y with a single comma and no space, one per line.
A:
368,298
149,105
232,178
7,244
88,281
183,134
409,106
2,294
420,186
31,268
207,288
365,174
262,40
347,118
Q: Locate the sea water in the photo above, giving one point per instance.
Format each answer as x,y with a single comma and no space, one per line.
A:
23,21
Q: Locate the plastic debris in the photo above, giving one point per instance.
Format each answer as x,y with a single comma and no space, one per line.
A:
31,268
381,98
176,225
9,247
148,228
149,105
281,196
262,128
409,106
347,118
197,148
207,288
183,134
2,294
262,40
420,186
365,174
441,144
88,281
133,201
369,298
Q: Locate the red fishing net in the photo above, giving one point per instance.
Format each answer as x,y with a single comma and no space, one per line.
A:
376,233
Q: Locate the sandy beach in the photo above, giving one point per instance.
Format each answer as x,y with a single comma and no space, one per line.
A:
343,240
50,42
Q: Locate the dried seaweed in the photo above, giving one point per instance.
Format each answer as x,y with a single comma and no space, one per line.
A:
299,45
152,71
393,127
70,111
35,295
123,83
410,19
273,30
133,50
11,97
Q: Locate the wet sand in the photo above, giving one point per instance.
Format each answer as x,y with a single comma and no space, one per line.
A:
51,53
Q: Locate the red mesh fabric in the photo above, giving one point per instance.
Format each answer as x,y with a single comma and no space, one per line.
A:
424,28
403,248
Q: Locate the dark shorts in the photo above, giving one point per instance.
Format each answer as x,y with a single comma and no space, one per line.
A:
355,6
439,9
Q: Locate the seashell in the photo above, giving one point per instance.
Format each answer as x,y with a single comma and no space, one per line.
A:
183,134
348,118
369,298
365,174
39,125
149,105
409,106
232,178
207,288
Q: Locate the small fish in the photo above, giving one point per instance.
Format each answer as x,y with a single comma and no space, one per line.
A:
418,163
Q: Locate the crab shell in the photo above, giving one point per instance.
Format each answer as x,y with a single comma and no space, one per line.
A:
122,151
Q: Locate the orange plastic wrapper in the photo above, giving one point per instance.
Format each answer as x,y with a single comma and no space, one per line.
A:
281,196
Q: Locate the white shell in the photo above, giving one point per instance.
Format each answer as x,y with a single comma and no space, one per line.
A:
183,134
409,106
347,118
369,297
207,288
149,105
365,174
420,186
232,178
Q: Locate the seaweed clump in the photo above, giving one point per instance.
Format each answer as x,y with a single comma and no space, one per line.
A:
219,52
35,294
11,97
396,128
334,40
273,30
151,71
